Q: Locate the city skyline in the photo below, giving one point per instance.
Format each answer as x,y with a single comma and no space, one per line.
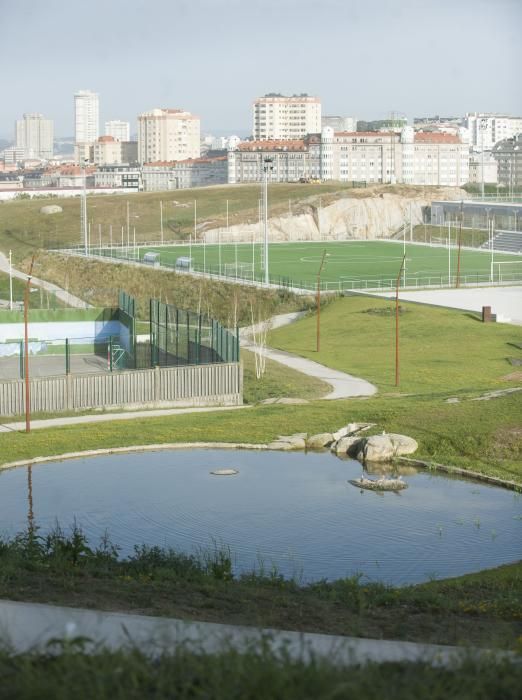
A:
418,58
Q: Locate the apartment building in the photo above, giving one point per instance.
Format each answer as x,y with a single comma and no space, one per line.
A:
106,151
508,154
483,163
196,172
339,123
277,117
86,116
35,135
168,135
287,161
118,129
486,128
422,158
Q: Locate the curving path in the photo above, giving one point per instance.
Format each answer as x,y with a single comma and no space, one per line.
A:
60,293
30,626
344,386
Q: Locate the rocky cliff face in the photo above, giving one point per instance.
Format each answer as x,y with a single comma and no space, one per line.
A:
377,215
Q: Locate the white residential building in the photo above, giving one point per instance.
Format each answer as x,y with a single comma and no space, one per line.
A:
118,129
278,118
86,116
480,161
197,172
486,129
422,158
168,135
340,123
35,135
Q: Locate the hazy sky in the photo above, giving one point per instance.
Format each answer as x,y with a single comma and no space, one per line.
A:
213,57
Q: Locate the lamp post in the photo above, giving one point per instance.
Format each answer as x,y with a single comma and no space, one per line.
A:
11,280
267,167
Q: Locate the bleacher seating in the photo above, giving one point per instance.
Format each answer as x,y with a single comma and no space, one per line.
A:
506,241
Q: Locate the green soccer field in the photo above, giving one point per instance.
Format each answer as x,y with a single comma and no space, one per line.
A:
348,264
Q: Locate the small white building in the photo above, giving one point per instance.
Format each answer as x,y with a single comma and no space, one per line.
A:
483,161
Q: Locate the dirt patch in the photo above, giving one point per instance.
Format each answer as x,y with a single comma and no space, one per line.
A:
508,442
512,377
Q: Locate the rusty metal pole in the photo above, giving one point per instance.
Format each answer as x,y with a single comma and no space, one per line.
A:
397,358
26,358
318,302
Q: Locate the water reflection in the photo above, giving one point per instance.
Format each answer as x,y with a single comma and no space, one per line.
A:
294,510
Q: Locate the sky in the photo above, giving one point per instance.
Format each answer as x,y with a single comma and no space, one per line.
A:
363,58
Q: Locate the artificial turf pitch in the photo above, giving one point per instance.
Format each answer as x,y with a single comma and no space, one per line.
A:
348,264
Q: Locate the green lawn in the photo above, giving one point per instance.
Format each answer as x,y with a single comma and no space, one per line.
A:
442,350
348,264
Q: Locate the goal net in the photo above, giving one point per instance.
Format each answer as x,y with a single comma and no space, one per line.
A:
507,271
239,270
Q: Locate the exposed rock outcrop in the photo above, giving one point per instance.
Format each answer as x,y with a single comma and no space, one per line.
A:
376,213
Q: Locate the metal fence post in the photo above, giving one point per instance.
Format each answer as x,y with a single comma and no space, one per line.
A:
110,353
67,357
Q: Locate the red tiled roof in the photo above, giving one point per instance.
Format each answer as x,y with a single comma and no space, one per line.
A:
435,137
106,139
354,134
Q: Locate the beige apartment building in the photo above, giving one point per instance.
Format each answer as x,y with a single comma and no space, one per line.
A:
106,151
278,118
167,135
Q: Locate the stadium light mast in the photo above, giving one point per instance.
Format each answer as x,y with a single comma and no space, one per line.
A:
267,167
83,210
318,333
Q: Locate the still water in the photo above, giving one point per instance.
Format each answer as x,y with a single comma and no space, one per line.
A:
292,510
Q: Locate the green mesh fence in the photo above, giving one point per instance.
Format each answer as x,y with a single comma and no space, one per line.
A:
179,337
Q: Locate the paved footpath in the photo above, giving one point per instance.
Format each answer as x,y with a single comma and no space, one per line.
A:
26,626
66,297
343,385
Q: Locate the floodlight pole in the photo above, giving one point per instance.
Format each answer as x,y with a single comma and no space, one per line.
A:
397,359
318,333
26,354
161,221
266,169
84,211
457,281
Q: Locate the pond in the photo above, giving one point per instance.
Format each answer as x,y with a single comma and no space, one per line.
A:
293,510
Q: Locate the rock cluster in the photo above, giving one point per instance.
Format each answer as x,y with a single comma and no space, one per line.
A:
348,441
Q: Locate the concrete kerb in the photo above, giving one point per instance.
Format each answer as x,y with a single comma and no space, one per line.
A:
31,626
157,447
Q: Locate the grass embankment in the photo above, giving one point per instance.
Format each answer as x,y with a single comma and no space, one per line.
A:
480,609
256,673
98,283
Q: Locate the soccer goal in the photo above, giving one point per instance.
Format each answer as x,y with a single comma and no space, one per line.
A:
244,271
507,271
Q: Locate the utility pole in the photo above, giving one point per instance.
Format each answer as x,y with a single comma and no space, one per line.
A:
26,354
161,220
